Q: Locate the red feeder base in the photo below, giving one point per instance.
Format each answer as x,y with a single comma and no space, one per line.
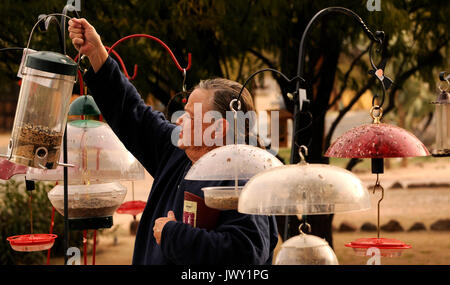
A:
32,242
132,207
388,247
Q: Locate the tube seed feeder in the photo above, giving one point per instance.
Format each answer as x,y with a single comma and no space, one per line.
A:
442,103
42,109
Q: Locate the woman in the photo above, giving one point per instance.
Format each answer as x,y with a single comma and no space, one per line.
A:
172,229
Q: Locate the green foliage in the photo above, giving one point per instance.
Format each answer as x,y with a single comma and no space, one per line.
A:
15,220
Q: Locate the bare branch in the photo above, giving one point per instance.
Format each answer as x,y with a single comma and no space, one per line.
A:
346,76
346,109
264,59
241,67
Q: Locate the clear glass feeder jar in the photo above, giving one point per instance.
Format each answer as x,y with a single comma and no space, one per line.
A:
42,109
89,201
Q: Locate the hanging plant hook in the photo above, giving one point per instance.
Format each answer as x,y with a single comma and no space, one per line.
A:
183,87
111,49
296,78
379,187
308,228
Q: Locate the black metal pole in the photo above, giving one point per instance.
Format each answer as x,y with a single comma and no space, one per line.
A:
62,42
300,72
62,36
301,60
66,197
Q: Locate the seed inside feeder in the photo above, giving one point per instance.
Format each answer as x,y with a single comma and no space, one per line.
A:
40,140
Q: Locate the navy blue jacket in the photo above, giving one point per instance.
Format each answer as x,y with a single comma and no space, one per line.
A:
237,239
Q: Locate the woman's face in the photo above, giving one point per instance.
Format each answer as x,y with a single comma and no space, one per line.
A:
199,122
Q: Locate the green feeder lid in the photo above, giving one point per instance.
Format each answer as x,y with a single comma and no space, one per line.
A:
86,123
84,105
52,62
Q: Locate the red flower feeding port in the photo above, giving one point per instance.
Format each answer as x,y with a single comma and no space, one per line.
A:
388,247
32,242
132,208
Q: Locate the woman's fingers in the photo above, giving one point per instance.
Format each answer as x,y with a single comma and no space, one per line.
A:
79,23
75,30
73,24
75,35
77,42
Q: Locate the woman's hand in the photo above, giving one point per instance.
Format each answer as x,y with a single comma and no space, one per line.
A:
159,225
87,41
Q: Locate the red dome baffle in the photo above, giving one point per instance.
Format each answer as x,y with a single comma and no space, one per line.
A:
32,242
388,247
131,207
377,141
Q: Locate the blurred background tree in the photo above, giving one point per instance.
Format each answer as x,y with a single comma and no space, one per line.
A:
235,38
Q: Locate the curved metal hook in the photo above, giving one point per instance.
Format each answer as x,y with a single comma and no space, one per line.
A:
184,80
302,149
67,8
380,35
308,226
375,187
442,76
161,43
48,17
123,65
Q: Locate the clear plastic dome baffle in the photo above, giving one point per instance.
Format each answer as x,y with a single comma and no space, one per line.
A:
97,154
303,188
42,109
89,201
306,249
231,161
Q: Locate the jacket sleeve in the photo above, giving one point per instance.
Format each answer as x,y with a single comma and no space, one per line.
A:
143,131
239,239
